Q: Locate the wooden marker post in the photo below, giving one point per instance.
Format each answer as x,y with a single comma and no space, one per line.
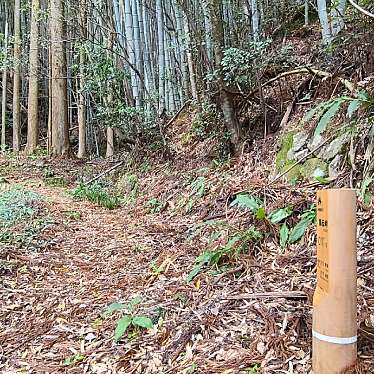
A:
335,298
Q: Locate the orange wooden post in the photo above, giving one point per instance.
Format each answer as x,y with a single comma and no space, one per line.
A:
335,298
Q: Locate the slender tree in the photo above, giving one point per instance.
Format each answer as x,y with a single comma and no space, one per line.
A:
33,109
60,126
17,77
337,15
255,20
131,50
227,105
5,83
161,55
191,67
82,96
109,98
324,21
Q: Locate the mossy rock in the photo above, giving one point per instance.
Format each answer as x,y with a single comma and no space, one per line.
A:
286,144
314,167
294,175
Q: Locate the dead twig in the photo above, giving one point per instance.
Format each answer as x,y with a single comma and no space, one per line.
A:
301,160
306,70
269,295
362,10
177,114
104,173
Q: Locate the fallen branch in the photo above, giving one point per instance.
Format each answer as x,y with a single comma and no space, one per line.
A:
104,173
177,114
362,10
269,295
301,160
307,70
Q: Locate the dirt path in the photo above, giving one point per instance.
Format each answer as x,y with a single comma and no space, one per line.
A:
53,299
252,317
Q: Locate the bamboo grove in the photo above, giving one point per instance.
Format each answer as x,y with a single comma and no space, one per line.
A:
85,77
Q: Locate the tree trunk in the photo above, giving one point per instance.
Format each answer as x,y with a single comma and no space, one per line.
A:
131,50
82,96
306,12
227,105
33,110
109,142
161,55
138,52
182,52
255,15
190,58
4,93
60,126
324,20
337,16
17,78
108,100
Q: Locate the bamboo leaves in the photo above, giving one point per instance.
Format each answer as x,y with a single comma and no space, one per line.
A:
280,214
326,111
326,117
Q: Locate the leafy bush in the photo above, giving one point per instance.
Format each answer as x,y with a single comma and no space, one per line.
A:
240,66
96,194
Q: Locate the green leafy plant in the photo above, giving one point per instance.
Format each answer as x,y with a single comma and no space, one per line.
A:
283,233
306,219
72,360
53,180
130,183
154,206
234,245
322,180
325,111
247,201
196,229
192,369
253,369
278,215
73,215
198,187
364,192
56,181
156,270
17,203
131,319
96,194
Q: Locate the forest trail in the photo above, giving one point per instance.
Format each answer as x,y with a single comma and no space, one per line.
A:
251,314
87,263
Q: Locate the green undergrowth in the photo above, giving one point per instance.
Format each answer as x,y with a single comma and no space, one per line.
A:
16,203
98,194
224,243
130,323
53,180
22,217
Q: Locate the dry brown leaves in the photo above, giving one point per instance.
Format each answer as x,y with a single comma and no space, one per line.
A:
257,314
